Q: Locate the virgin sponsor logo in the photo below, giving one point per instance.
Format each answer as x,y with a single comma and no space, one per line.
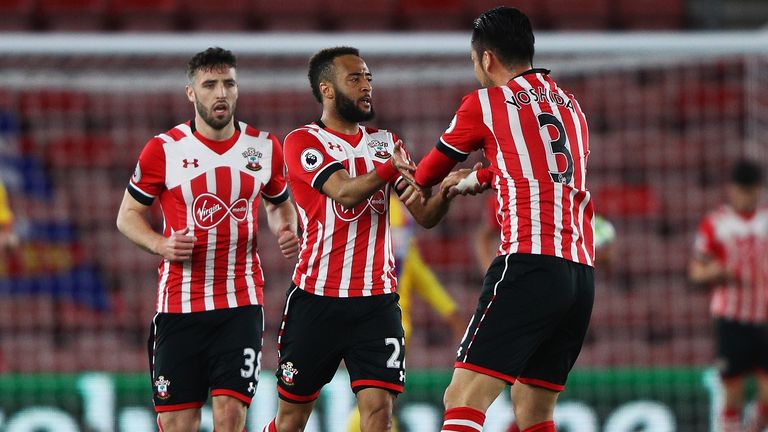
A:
209,210
377,203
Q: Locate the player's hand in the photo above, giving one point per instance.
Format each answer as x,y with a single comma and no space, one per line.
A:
178,247
452,186
288,242
402,161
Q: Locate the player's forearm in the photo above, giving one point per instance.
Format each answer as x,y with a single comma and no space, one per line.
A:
705,272
281,216
433,168
351,191
133,225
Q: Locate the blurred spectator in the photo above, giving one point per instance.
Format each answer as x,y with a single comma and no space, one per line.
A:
8,238
731,258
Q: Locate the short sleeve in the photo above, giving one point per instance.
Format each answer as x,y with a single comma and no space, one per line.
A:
148,178
276,190
465,133
307,159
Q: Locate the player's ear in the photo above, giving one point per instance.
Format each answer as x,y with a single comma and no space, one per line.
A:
487,60
190,93
326,89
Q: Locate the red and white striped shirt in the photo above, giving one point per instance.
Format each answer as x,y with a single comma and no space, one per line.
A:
740,244
535,137
344,252
213,188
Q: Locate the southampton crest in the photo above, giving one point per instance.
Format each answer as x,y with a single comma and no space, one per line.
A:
161,387
253,159
288,373
380,148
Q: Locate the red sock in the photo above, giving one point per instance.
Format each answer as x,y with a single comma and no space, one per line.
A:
731,420
270,427
513,428
463,419
547,426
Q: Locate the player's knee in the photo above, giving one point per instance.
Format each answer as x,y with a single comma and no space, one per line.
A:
229,419
178,423
378,418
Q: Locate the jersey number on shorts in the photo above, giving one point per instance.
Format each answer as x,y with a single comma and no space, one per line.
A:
558,146
252,363
393,362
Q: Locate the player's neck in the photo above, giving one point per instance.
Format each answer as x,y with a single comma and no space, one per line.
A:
336,123
207,131
504,75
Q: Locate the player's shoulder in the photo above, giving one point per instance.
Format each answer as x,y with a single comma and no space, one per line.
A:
175,134
254,132
303,132
718,214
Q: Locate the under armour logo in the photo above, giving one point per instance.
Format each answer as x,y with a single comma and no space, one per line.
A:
402,376
192,162
251,388
332,146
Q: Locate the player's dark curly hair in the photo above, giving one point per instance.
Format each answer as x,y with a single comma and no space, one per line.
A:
321,66
506,32
209,59
746,173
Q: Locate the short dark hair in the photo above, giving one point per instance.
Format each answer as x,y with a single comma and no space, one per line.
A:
321,66
506,32
747,173
209,59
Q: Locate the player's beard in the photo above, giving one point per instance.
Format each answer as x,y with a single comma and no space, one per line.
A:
213,121
349,111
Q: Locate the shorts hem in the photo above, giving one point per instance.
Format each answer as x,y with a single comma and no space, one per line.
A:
541,383
485,371
231,393
290,397
357,384
178,407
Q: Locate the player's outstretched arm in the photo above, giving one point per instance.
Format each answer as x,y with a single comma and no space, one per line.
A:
282,222
131,221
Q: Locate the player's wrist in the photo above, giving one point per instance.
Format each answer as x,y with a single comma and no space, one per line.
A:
387,171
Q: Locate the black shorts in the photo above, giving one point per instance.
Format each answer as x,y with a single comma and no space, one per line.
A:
192,353
741,348
318,332
530,321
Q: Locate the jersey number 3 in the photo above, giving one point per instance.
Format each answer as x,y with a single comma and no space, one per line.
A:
559,145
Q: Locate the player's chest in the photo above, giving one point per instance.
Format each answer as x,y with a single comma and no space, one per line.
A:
192,164
362,157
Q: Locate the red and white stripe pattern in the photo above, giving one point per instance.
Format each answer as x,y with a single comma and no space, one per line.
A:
213,188
344,252
542,193
739,243
463,419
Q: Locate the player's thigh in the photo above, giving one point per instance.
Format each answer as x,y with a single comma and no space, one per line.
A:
234,357
737,349
550,364
524,298
310,345
375,356
229,413
178,374
179,421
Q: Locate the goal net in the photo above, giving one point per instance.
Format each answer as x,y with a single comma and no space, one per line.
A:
668,114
